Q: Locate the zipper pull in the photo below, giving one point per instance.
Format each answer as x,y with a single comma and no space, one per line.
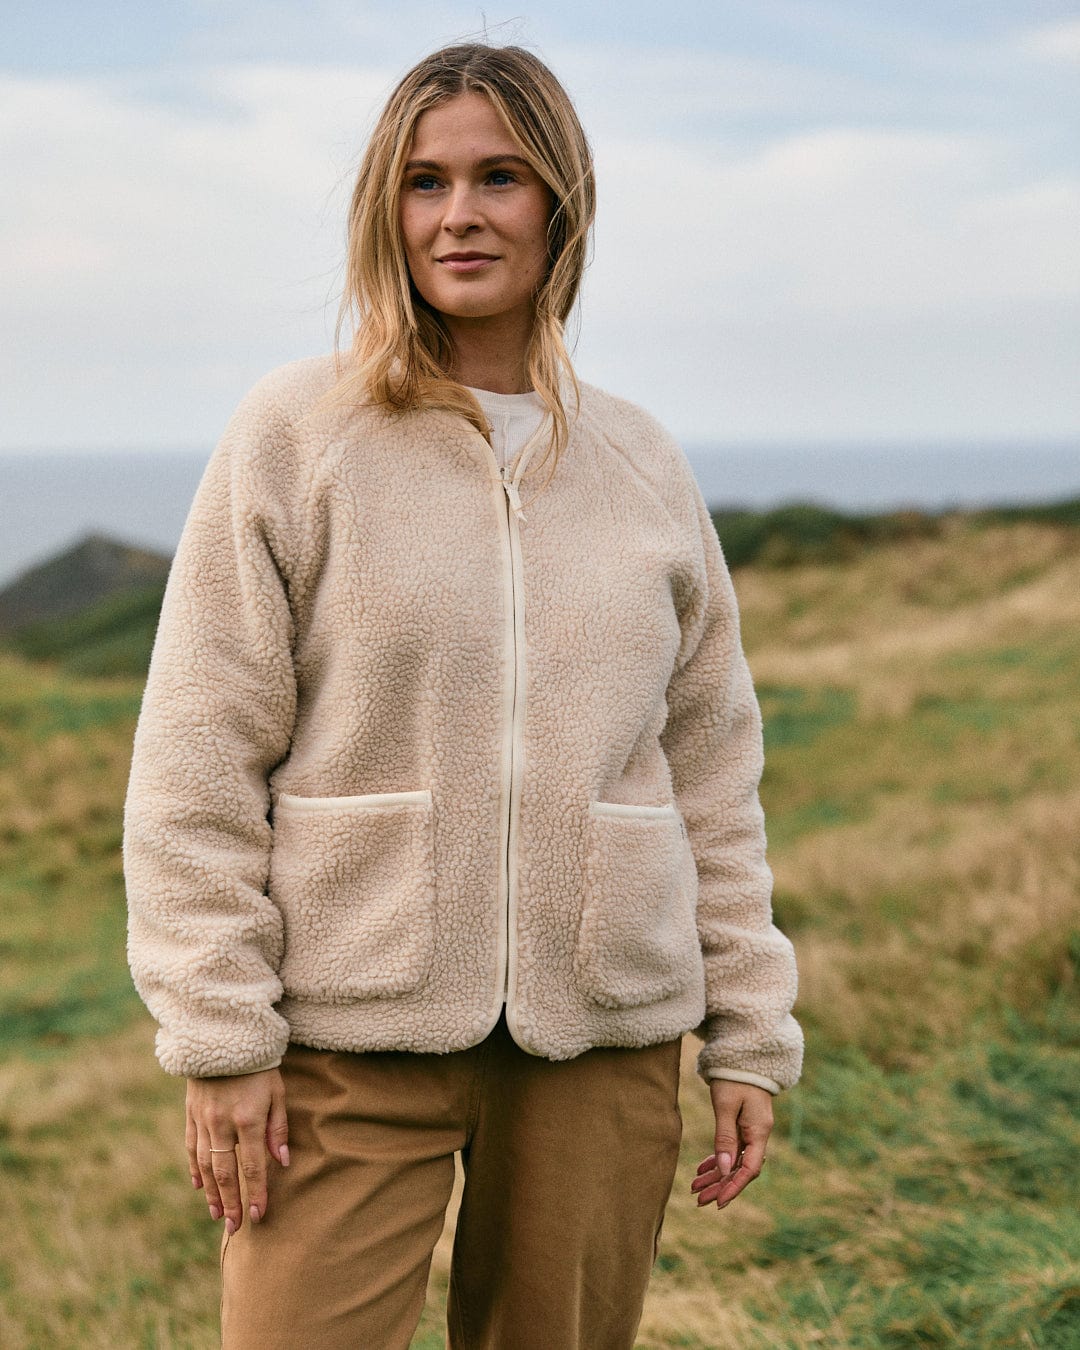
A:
512,494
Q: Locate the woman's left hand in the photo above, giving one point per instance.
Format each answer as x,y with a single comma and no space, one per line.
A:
744,1121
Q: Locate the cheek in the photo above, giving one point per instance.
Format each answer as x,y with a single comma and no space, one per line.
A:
537,232
541,262
411,225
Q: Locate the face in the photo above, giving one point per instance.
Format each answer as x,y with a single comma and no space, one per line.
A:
473,214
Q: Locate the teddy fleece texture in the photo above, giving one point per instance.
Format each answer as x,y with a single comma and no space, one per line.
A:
414,739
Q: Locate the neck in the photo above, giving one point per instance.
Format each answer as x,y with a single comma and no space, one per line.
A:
491,353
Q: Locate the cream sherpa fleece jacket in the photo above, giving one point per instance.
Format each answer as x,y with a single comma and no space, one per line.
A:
417,737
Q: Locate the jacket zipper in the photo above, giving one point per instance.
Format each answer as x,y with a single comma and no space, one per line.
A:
514,516
513,723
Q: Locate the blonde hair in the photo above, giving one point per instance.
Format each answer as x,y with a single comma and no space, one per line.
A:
401,349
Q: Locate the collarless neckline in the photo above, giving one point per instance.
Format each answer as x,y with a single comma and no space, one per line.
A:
493,402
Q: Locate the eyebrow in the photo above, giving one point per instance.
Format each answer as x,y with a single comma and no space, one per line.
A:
487,163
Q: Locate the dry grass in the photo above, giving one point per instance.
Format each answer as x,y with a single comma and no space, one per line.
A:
923,712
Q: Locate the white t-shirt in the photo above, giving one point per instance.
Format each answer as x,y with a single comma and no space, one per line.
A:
513,417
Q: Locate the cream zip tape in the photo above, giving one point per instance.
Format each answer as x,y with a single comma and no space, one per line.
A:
629,809
513,516
422,797
517,733
499,484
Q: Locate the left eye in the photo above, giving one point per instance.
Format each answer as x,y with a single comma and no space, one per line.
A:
501,177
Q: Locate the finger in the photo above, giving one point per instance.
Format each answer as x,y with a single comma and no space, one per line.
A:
252,1168
734,1185
754,1129
726,1142
753,1157
205,1161
724,1189
706,1186
706,1175
223,1165
277,1127
721,1188
191,1144
712,1183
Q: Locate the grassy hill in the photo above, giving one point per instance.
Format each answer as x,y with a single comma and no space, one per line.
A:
922,792
93,569
112,637
93,609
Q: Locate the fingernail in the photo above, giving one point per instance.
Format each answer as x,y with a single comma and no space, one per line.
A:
230,1227
216,1212
725,1164
255,1215
196,1182
283,1153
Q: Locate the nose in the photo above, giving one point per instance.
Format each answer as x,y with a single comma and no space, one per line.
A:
462,212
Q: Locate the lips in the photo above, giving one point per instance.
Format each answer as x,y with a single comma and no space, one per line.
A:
466,262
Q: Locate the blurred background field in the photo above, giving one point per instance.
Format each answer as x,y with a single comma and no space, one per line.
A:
920,679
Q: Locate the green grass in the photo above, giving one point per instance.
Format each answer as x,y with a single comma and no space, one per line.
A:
111,638
947,1206
1063,512
921,793
797,716
41,710
805,532
63,751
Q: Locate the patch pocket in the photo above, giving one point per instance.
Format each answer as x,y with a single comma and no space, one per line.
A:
354,879
637,941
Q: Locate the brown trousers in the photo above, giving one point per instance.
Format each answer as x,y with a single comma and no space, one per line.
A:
568,1167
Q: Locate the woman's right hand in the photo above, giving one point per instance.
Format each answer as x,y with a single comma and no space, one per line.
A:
232,1123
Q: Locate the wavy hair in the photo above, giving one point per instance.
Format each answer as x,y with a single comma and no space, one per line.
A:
401,349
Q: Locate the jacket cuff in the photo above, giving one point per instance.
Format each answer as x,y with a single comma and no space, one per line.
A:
741,1076
239,1073
223,1049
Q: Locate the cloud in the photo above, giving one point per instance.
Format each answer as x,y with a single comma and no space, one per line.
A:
698,95
176,232
844,282
1054,41
160,251
160,224
843,220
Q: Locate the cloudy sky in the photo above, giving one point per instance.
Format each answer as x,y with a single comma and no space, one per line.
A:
820,219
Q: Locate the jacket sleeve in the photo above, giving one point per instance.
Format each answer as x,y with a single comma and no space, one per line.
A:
713,742
204,941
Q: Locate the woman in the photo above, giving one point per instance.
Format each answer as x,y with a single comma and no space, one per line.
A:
443,823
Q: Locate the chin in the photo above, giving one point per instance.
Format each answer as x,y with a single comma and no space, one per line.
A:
464,308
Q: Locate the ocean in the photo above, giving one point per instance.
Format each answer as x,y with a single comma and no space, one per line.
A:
49,500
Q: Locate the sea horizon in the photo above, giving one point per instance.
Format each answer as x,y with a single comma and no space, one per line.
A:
49,499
